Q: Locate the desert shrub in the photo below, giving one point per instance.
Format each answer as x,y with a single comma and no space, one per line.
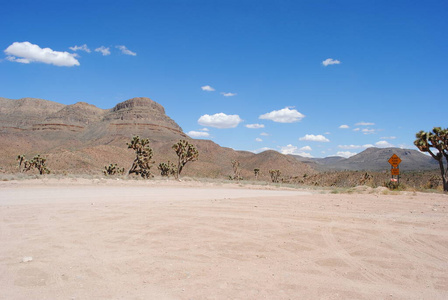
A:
113,169
37,162
167,169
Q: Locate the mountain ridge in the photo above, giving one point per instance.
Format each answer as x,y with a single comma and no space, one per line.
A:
373,159
82,138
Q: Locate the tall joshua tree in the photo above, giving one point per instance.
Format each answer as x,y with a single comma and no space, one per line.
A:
437,139
142,163
185,152
236,170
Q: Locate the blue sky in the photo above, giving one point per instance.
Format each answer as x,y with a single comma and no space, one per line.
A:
314,78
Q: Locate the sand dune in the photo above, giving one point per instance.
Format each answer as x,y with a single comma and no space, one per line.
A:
81,239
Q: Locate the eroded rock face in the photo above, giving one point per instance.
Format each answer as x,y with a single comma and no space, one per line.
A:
139,102
140,111
135,115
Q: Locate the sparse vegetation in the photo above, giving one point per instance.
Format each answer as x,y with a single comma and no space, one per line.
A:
113,169
185,152
256,173
167,169
37,162
275,175
143,161
437,139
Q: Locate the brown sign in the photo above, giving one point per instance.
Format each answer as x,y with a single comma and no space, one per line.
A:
394,160
395,171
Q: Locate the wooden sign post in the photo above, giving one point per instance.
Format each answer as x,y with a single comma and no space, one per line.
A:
394,161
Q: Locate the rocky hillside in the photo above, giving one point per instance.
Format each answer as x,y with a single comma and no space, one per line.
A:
82,138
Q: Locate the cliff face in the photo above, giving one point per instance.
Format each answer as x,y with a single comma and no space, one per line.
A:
134,116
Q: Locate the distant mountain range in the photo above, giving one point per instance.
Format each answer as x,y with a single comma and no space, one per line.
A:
373,159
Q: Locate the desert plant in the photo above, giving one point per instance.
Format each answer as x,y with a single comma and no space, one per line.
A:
37,162
236,170
185,152
167,169
275,174
437,139
142,163
21,160
113,169
256,173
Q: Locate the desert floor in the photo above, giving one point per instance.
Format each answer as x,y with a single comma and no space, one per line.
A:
115,239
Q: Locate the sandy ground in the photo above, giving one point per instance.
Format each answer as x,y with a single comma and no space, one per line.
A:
96,239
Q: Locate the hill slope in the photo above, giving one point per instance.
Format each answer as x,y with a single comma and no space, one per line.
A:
82,138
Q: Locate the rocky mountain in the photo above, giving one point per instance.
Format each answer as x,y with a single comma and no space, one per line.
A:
373,159
82,138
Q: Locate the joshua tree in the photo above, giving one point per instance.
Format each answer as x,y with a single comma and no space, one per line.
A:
142,163
113,169
37,162
186,152
256,172
275,174
167,169
437,139
236,170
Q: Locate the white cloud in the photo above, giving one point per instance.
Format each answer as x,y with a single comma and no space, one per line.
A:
105,51
304,154
368,131
285,115
205,129
306,148
355,146
25,53
365,124
314,138
388,137
344,126
330,61
255,126
207,88
290,149
81,48
125,50
220,120
198,134
345,154
264,134
228,94
258,140
357,129
383,144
